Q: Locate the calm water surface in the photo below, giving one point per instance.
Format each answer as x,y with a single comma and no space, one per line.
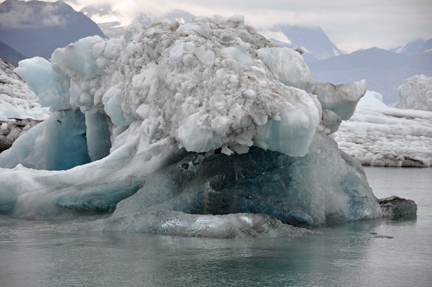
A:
367,253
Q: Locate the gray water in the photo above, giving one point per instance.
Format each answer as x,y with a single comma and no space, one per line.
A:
366,253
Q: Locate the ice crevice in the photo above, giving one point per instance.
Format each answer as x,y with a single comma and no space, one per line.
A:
202,129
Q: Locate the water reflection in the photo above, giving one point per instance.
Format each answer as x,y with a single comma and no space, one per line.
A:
365,253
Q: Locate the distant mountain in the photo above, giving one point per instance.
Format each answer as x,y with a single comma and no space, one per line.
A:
37,28
112,29
427,47
10,55
383,70
415,47
313,41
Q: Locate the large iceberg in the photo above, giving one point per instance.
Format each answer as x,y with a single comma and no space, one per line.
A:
203,129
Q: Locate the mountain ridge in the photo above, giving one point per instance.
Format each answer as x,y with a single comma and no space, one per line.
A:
37,28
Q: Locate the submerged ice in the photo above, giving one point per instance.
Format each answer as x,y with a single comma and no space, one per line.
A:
203,129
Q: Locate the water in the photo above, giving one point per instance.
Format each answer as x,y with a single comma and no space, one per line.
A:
367,253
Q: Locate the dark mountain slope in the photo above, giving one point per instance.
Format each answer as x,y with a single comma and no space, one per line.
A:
10,55
37,28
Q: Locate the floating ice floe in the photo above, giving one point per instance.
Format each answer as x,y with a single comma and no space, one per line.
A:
378,135
202,129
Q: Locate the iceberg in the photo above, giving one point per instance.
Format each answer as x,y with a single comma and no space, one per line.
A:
378,135
415,94
194,130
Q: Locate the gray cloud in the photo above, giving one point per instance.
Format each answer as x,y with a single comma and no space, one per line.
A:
350,24
15,14
97,9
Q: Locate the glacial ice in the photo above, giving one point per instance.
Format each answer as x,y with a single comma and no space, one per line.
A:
378,135
19,107
194,129
415,94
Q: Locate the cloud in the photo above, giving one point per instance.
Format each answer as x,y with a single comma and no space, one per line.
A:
17,14
97,9
350,24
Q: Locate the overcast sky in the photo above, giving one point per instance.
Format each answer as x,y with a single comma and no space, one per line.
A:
349,24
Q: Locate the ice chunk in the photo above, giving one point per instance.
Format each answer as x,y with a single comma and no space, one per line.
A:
192,138
16,99
58,143
51,87
205,56
415,93
239,54
78,58
341,99
330,122
198,28
19,106
292,134
288,65
371,100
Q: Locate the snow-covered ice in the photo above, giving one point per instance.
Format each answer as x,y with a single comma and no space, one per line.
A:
172,127
19,106
16,99
379,135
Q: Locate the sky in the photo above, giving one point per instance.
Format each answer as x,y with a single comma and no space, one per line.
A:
350,25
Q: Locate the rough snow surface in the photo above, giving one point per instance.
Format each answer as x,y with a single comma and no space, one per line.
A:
19,107
16,99
415,94
206,84
378,135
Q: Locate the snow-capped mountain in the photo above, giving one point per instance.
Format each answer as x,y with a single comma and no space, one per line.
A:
418,46
37,28
312,41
